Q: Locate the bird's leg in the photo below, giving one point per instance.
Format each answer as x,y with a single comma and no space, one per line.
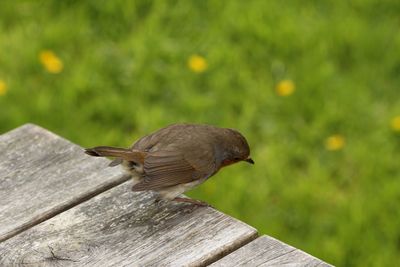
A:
191,201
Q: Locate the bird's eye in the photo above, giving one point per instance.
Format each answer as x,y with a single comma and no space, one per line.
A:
236,159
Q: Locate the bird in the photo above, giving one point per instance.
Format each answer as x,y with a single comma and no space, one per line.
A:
177,158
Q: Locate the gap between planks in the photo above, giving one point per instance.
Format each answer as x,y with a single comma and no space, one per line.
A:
231,250
47,215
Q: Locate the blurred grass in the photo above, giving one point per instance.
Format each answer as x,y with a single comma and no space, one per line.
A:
125,74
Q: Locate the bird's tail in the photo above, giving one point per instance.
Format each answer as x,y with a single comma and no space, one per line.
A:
122,153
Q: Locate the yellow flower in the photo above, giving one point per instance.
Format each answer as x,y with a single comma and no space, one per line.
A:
285,88
50,61
395,123
334,142
3,87
197,63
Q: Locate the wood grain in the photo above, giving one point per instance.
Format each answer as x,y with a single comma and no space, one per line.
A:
42,174
124,228
267,251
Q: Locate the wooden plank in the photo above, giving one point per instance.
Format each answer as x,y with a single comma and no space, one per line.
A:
124,228
42,174
267,251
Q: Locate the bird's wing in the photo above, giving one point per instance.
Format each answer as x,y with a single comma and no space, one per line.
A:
168,168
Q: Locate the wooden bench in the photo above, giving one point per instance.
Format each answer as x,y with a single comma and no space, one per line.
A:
61,207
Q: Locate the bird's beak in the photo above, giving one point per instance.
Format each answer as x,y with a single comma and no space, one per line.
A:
249,160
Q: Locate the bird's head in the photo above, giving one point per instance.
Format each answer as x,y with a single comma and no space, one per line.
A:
236,148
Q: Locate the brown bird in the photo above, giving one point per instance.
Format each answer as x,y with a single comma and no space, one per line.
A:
178,157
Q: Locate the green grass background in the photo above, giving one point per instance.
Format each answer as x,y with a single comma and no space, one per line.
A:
125,74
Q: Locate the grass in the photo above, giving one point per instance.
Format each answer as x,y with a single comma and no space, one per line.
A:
125,73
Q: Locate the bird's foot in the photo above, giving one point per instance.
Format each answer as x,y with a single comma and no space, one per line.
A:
192,201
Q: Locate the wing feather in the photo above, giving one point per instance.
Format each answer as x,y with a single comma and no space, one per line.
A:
164,169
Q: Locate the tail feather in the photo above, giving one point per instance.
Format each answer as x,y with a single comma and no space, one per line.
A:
123,153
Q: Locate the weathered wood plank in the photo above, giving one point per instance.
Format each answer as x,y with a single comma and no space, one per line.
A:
267,251
124,228
42,174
